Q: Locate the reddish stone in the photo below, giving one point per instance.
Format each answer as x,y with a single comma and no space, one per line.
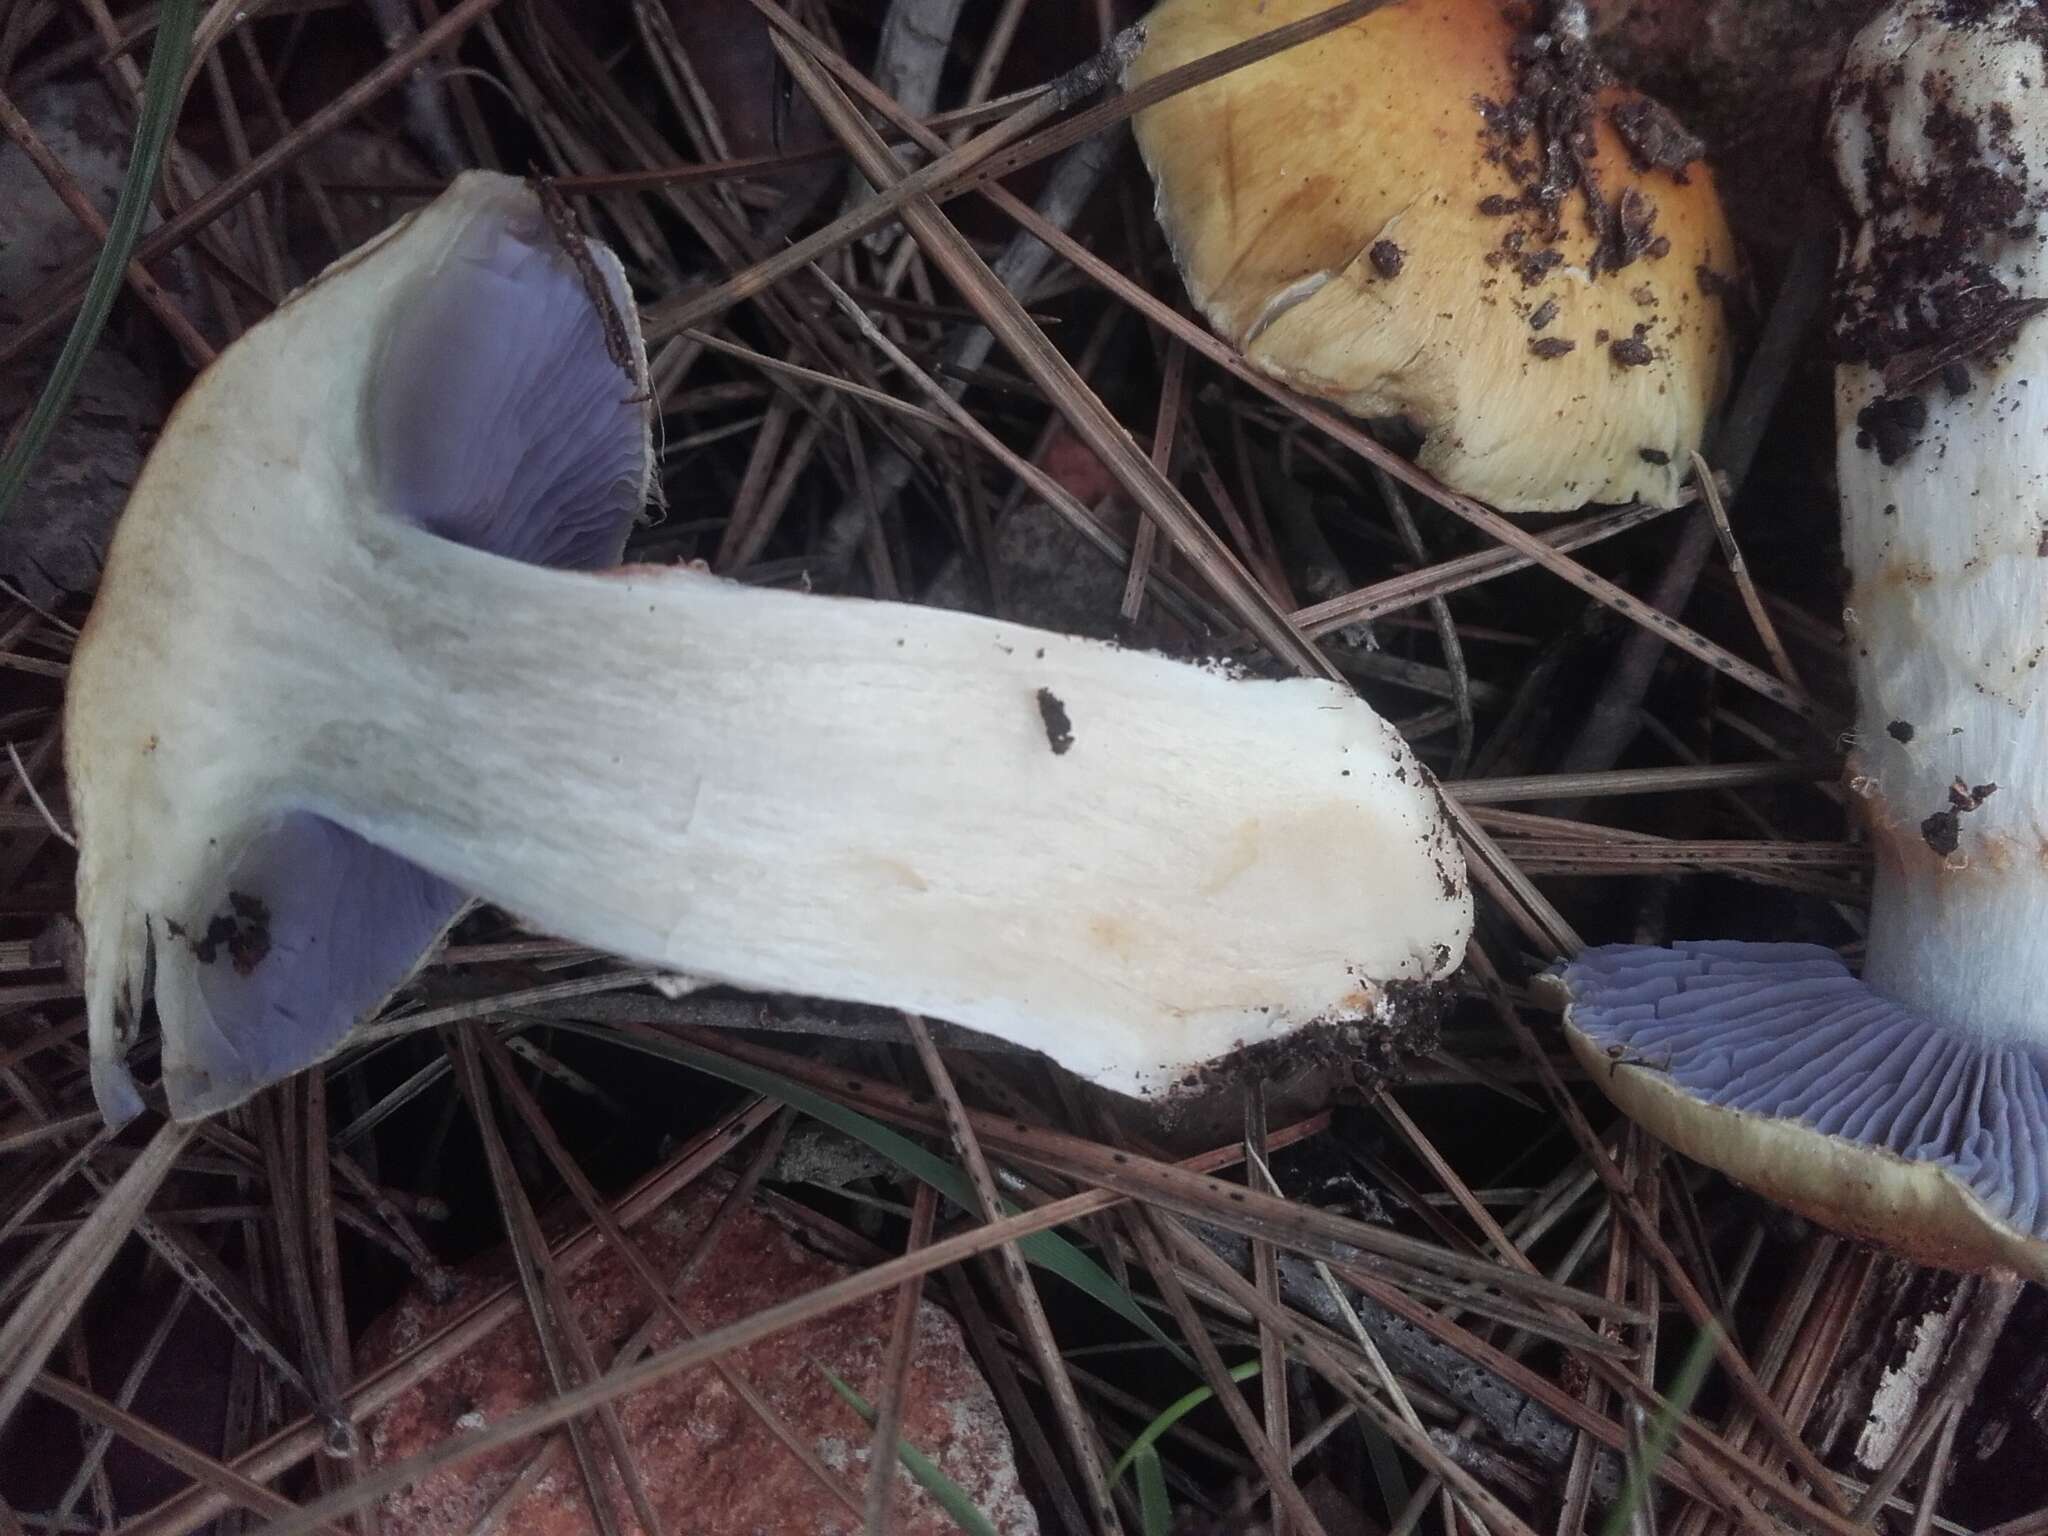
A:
1073,464
710,1467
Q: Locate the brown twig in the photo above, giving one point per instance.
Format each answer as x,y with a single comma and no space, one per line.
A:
52,304
882,1454
1021,1292
197,349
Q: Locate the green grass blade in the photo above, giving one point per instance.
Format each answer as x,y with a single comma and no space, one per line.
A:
1048,1250
1385,1459
959,1508
175,22
1174,1412
1155,1505
1692,1375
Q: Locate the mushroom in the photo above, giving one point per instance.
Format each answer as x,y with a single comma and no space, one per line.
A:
330,687
1909,1106
1437,214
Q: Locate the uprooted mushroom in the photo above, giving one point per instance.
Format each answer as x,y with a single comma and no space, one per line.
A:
330,688
1909,1106
1447,211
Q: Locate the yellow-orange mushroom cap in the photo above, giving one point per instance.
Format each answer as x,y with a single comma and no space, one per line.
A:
1354,213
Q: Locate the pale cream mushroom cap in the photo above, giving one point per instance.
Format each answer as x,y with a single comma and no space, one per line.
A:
1778,1065
1918,1210
1277,181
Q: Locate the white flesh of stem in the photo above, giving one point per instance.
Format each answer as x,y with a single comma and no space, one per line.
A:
1948,621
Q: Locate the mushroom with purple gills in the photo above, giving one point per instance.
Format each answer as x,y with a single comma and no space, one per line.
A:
1909,1106
351,664
1448,212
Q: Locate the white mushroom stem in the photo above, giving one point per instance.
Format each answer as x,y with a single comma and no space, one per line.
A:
1134,864
856,800
1908,1108
862,800
1941,143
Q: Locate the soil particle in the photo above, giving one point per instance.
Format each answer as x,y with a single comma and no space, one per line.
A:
1407,1023
1631,351
1059,730
1891,426
242,933
1717,285
1656,139
1943,830
2029,25
1655,456
1530,266
1550,348
1943,217
1544,136
1900,731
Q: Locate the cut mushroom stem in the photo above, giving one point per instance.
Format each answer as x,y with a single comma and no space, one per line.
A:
317,705
1910,1106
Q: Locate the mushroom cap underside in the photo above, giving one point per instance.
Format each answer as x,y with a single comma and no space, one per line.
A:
1344,212
1773,1064
476,371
